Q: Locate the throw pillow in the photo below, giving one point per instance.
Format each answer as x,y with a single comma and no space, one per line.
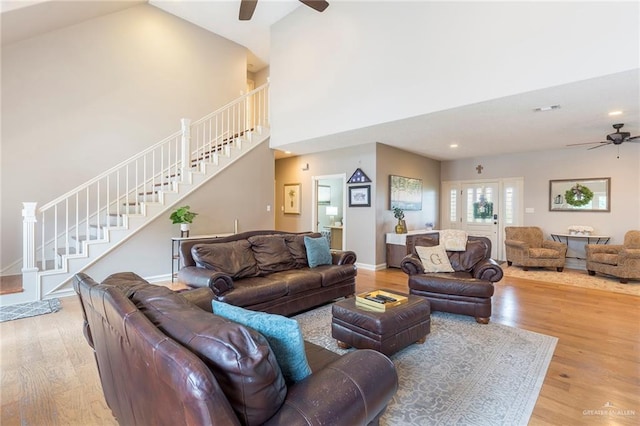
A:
271,253
434,259
234,258
241,359
318,252
282,333
453,239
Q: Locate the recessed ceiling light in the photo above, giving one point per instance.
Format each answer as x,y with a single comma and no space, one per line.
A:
612,113
453,145
287,152
546,108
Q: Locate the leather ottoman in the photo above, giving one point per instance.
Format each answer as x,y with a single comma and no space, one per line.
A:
386,332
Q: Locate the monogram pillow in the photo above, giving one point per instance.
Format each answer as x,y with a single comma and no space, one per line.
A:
434,259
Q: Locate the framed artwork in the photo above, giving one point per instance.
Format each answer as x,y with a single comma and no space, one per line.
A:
292,198
580,195
360,196
405,193
324,194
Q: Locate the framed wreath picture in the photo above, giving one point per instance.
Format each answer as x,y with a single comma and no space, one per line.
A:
360,196
580,195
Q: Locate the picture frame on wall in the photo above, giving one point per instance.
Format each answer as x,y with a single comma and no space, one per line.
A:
324,194
292,201
360,196
405,193
580,195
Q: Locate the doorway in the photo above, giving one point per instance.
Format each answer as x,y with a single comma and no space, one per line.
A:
483,208
329,209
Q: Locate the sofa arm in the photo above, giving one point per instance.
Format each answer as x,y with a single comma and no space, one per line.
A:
193,276
352,390
487,270
343,257
603,248
515,244
411,265
200,297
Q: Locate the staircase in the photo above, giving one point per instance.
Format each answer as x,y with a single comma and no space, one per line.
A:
72,232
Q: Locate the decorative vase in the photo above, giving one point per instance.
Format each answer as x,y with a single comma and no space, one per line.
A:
401,227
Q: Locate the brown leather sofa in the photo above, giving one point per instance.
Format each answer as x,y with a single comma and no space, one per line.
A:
266,271
467,290
165,359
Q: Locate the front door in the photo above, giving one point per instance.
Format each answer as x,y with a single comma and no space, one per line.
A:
480,204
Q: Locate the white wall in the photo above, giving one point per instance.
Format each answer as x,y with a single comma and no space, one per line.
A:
364,63
81,99
537,168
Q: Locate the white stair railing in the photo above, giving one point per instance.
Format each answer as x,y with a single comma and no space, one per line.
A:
71,222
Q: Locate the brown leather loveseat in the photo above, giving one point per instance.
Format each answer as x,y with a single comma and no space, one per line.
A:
468,289
165,359
266,271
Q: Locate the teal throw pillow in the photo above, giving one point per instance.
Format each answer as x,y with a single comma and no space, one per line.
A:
318,252
282,333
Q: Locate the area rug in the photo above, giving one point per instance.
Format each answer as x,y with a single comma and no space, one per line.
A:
29,309
576,278
464,374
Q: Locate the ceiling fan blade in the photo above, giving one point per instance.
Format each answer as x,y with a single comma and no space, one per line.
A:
247,7
600,146
319,5
633,138
586,143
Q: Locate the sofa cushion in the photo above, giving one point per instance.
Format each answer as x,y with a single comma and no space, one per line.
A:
335,274
283,334
271,253
318,252
434,259
606,258
543,253
454,239
234,258
466,260
255,290
298,250
239,358
299,280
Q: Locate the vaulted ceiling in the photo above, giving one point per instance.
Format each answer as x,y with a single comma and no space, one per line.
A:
497,126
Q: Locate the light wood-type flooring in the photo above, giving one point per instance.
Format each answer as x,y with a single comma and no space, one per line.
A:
49,377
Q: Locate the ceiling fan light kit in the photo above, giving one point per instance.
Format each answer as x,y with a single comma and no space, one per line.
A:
616,138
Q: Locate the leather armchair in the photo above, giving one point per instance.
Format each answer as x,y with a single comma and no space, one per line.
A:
622,260
525,246
467,290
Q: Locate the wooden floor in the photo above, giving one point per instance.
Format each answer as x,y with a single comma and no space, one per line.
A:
49,375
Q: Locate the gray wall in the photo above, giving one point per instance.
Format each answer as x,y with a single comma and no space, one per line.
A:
366,227
241,192
537,168
79,100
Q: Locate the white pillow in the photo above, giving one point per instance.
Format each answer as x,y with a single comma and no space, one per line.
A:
454,239
434,259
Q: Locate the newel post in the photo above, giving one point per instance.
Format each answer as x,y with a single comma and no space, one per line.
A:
29,268
185,154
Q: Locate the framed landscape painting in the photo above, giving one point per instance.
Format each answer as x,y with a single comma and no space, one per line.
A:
405,193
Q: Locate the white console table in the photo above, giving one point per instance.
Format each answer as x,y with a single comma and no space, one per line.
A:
399,245
588,239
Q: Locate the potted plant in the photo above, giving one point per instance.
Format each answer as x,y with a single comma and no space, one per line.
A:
184,216
401,227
